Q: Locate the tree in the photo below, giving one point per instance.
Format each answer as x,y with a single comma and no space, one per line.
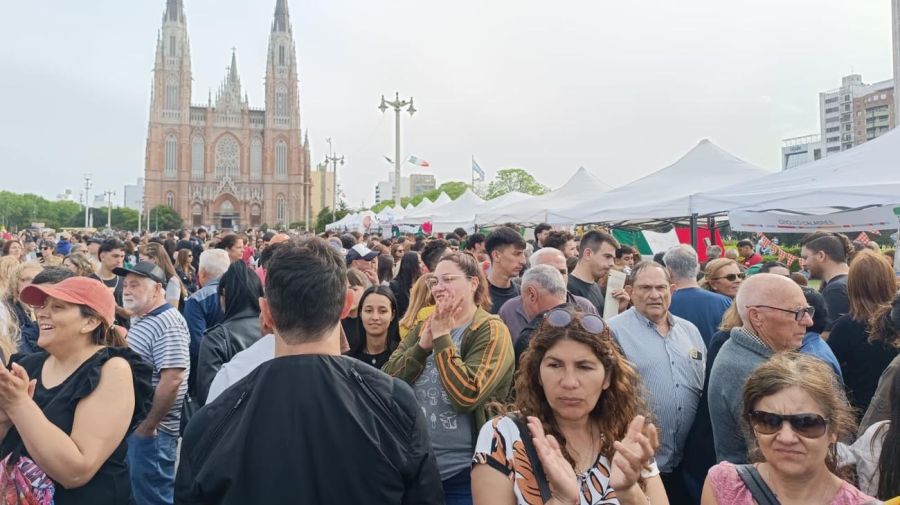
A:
163,217
514,179
453,189
325,218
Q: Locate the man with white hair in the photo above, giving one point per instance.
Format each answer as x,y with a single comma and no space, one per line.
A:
512,312
160,336
201,309
699,306
775,315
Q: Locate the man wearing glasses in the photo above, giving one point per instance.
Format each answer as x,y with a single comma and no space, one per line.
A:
775,316
47,254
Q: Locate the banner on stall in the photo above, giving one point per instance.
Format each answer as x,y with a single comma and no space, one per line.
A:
783,256
865,220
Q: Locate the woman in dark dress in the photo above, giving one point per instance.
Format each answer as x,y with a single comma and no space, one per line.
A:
379,329
65,410
411,268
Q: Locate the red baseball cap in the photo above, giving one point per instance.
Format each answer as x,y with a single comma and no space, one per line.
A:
77,290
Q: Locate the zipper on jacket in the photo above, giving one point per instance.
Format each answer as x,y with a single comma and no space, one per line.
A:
221,425
377,399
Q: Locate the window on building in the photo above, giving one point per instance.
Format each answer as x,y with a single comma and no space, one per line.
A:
281,159
846,107
281,102
228,157
171,46
170,200
281,55
279,209
256,159
171,156
171,94
197,157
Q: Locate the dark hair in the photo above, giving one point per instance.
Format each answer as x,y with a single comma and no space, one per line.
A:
884,324
644,265
622,251
451,236
744,243
241,289
835,245
870,284
52,275
558,239
267,253
111,244
306,286
594,239
347,241
409,272
769,265
460,232
540,229
103,334
393,333
385,268
888,462
229,241
7,245
473,240
816,300
503,237
433,251
660,258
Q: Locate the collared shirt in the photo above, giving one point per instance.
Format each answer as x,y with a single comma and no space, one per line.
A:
513,313
672,367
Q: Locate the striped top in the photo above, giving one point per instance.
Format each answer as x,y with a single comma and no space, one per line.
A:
672,368
162,339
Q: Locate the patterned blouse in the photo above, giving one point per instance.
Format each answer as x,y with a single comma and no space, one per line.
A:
500,446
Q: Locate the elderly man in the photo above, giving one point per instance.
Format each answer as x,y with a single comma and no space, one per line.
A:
160,336
669,355
513,312
699,306
775,315
365,260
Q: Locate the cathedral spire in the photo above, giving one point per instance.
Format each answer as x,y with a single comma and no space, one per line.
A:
232,72
174,11
282,22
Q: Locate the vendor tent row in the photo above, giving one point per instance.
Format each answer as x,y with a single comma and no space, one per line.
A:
707,181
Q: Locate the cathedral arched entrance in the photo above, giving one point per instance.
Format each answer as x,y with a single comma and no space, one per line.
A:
226,215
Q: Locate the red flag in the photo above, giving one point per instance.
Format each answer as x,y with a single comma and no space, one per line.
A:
862,237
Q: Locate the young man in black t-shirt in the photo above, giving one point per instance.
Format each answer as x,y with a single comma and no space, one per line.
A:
112,256
596,255
506,249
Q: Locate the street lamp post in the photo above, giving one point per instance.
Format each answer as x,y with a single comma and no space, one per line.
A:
109,194
334,159
87,191
397,105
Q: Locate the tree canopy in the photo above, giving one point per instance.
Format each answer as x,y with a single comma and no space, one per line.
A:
514,179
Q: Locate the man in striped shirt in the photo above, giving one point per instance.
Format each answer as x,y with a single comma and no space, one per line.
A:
160,335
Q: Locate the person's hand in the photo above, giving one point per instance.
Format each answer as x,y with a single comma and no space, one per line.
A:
622,296
447,311
426,338
372,275
633,453
560,475
15,387
145,431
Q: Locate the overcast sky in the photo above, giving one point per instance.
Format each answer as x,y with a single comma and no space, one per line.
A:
622,88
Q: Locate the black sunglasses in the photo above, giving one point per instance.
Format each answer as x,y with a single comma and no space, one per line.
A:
805,425
561,318
731,277
798,314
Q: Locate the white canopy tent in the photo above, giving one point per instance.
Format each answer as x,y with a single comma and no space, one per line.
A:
867,175
580,187
424,210
666,193
459,213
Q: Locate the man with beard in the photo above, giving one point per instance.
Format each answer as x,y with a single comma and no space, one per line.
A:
826,256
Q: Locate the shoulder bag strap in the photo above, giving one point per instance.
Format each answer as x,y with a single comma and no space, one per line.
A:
756,485
525,435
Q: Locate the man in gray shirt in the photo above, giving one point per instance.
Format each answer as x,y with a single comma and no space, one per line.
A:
670,357
775,316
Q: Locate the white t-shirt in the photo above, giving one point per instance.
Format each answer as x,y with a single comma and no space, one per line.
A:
242,364
173,291
865,453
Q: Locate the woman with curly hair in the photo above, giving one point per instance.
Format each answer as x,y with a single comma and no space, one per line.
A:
586,420
80,264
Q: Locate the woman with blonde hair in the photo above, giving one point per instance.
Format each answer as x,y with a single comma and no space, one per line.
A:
26,330
80,264
722,276
795,412
870,286
421,305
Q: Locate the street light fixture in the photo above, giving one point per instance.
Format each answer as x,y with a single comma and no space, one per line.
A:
397,105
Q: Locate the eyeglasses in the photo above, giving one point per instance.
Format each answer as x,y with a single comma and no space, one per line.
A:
561,318
798,314
46,248
432,282
805,425
731,277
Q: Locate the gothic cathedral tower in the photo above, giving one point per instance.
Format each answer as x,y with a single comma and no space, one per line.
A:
223,163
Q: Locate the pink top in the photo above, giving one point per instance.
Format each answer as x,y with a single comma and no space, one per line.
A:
730,489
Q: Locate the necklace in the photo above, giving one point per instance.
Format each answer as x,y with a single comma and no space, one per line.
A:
583,474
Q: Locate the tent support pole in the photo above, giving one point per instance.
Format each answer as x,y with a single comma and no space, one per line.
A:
694,231
711,226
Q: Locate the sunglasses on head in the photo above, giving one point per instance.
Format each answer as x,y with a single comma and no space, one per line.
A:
805,425
732,277
561,318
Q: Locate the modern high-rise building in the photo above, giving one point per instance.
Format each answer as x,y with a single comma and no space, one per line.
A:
855,112
421,183
322,190
133,195
411,186
224,163
799,150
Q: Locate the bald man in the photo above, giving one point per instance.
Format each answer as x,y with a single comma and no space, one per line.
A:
775,316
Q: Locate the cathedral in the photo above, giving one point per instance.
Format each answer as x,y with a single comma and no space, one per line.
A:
224,163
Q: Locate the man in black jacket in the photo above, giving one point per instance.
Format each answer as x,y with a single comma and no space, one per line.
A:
309,426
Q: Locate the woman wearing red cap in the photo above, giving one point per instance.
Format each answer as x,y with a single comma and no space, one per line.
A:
65,410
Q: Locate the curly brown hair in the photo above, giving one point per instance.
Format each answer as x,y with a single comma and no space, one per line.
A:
617,405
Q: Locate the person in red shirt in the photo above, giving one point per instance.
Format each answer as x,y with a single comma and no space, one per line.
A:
750,256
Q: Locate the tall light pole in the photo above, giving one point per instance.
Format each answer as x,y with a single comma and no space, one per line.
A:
397,104
334,159
109,194
87,191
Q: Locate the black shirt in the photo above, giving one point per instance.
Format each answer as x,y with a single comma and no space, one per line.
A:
589,290
117,286
376,360
836,298
499,296
351,331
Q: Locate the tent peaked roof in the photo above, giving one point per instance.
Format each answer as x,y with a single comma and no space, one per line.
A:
866,175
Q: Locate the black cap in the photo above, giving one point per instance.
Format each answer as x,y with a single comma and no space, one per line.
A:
144,269
360,252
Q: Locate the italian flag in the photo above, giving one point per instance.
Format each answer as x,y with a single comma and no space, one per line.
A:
418,161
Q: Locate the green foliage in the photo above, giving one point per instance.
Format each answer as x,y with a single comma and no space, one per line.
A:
454,190
163,217
325,218
514,179
19,211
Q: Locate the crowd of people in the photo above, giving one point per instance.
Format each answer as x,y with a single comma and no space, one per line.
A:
469,368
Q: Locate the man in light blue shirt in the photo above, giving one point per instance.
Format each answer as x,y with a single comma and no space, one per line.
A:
670,357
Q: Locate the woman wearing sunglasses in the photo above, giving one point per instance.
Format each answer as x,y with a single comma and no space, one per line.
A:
586,441
723,276
796,413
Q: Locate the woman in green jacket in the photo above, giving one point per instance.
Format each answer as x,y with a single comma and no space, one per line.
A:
458,361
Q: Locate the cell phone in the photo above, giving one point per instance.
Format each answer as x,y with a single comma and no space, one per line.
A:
707,241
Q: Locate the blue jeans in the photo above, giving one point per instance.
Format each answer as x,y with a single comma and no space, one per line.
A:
458,489
151,463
